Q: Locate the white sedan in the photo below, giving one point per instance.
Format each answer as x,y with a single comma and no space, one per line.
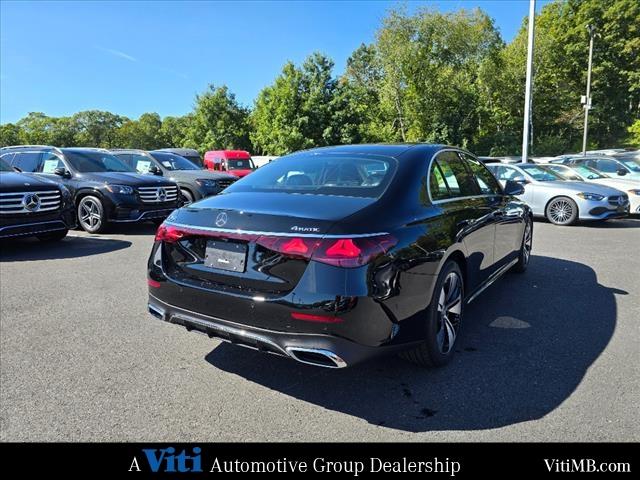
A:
582,173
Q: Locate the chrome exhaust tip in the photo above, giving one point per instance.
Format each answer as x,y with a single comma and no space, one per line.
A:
316,356
155,311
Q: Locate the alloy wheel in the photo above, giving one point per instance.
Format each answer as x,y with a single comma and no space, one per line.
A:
561,211
89,214
449,312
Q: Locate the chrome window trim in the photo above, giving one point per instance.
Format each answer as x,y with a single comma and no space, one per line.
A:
274,234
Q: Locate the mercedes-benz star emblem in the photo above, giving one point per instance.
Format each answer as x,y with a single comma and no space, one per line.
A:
31,202
162,194
221,219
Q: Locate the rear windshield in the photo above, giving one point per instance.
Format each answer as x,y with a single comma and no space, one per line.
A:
90,161
344,175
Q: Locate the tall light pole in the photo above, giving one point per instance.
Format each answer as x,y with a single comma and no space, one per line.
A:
587,99
527,91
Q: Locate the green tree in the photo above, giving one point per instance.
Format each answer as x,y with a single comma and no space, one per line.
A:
10,134
174,130
218,122
144,133
97,128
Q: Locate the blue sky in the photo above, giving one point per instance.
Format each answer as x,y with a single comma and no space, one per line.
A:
154,56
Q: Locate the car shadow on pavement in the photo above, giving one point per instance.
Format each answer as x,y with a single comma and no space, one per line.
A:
526,345
19,250
629,222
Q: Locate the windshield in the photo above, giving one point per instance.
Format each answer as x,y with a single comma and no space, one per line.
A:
240,164
89,161
541,174
632,165
328,174
4,166
565,172
588,172
171,161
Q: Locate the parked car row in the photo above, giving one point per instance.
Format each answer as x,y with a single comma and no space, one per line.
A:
103,187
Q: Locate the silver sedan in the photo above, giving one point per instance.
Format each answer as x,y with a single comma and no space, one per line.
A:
562,202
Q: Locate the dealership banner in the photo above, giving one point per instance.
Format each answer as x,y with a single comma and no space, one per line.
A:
354,460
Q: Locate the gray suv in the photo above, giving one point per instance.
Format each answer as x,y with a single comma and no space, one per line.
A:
194,182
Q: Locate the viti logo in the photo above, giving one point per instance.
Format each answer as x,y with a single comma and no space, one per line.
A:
166,460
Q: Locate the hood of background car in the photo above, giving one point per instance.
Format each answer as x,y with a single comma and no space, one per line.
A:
125,178
619,183
576,187
14,181
240,172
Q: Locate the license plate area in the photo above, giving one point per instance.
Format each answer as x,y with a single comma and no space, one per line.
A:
229,256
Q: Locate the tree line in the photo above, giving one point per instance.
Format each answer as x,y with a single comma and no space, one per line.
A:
428,77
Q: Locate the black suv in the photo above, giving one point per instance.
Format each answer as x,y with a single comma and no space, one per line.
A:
33,206
104,189
194,182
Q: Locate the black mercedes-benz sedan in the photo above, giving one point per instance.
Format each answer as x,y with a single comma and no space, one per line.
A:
334,255
33,207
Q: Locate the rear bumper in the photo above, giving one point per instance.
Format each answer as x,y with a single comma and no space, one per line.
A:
316,349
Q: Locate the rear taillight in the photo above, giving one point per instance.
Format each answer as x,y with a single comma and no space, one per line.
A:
341,252
352,252
169,234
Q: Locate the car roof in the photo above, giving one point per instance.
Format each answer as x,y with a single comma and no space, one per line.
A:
384,149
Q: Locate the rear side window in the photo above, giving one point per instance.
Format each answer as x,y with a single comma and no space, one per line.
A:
437,185
486,181
322,174
457,176
27,161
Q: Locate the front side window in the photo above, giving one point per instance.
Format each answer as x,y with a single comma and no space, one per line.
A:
458,178
89,161
141,163
588,172
607,166
541,174
321,174
565,172
50,162
27,161
171,161
486,181
508,173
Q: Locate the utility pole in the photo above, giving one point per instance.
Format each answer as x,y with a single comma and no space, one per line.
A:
528,84
587,99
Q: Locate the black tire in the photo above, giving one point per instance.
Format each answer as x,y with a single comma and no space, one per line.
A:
562,211
53,236
438,346
187,196
96,222
525,249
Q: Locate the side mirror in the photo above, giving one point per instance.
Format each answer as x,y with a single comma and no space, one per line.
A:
622,172
513,188
520,180
153,169
62,172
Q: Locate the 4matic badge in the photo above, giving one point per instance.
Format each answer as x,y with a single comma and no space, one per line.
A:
296,228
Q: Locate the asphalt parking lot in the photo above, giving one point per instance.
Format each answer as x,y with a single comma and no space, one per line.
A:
551,355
